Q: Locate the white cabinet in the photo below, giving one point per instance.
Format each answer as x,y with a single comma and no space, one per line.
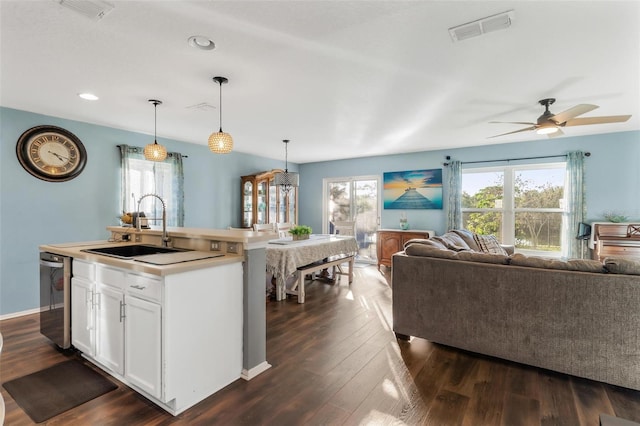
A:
109,328
143,361
82,315
176,339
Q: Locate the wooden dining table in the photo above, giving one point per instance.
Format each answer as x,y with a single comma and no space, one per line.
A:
284,256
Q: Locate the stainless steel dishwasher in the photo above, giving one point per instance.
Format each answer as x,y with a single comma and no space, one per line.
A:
55,298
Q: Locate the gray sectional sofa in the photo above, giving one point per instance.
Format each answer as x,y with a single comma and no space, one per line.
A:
579,317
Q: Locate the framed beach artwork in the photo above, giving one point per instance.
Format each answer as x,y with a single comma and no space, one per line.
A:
415,189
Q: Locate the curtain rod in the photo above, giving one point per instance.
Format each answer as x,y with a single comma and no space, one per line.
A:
137,148
448,157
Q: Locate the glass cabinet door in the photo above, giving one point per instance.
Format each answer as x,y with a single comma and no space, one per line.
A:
291,207
247,205
262,202
273,202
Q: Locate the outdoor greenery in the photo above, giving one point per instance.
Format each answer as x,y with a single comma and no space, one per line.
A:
539,230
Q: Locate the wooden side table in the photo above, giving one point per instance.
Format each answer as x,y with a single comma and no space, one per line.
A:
391,241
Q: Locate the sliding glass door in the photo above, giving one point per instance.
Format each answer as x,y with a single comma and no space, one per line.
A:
354,199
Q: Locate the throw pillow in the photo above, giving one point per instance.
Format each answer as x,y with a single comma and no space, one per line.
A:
618,265
489,244
467,236
452,241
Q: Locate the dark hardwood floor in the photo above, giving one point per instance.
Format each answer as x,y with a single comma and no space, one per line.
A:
336,361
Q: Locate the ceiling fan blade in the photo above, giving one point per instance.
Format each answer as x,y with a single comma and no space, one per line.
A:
598,120
573,112
515,131
555,134
513,122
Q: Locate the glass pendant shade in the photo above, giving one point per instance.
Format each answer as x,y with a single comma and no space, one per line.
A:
154,151
220,142
286,180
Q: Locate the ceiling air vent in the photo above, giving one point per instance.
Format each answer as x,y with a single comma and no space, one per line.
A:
500,21
92,9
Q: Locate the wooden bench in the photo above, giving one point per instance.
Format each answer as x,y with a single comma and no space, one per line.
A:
331,262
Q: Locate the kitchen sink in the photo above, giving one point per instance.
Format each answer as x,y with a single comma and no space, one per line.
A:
131,251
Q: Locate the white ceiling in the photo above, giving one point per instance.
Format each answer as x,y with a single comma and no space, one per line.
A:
340,79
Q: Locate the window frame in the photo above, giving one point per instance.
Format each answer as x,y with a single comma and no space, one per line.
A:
508,210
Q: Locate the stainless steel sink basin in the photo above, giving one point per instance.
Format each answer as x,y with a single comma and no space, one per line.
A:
131,251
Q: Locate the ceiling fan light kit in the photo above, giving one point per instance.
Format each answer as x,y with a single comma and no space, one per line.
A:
220,142
550,124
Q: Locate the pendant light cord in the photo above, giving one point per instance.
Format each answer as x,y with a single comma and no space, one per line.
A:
155,123
220,83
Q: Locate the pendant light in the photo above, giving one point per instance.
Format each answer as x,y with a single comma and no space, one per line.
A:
220,142
154,151
286,180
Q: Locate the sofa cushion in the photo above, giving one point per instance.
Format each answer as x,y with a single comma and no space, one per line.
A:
519,259
472,256
431,243
428,251
467,236
619,265
452,241
488,244
585,265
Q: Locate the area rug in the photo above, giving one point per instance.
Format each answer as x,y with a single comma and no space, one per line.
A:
49,392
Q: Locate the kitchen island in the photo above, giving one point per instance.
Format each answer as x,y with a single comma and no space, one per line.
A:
178,332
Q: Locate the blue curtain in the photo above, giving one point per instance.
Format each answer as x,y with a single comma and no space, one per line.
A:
575,205
140,176
454,196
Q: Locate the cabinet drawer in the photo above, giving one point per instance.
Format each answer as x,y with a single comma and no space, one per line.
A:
144,287
84,270
111,276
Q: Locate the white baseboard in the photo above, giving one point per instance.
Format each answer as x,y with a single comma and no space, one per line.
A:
20,314
253,372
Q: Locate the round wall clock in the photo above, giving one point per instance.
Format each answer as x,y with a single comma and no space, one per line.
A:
51,153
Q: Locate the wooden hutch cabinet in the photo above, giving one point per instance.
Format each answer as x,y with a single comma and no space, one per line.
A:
264,202
391,241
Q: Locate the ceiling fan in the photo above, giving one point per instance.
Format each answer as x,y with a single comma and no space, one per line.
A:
550,124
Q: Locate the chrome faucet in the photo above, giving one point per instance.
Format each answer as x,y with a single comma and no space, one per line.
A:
165,237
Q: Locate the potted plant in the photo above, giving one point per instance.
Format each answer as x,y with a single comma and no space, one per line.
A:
300,232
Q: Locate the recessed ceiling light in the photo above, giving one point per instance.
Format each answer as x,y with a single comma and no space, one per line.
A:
201,42
88,96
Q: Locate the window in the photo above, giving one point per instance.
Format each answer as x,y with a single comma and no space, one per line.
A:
140,177
520,205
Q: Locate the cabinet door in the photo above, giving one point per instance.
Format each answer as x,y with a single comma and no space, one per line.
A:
110,328
390,243
82,316
143,360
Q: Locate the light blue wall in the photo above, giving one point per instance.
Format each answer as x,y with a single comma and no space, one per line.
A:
612,175
35,212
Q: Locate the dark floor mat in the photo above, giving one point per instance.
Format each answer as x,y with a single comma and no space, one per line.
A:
54,390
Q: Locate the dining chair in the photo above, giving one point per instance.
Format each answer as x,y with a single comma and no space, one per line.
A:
283,229
343,227
264,227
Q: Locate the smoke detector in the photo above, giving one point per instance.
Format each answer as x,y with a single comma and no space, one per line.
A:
92,9
500,21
